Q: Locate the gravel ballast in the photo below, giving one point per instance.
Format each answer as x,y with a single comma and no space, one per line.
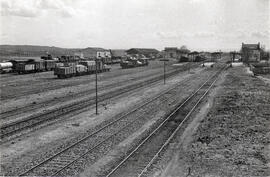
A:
233,138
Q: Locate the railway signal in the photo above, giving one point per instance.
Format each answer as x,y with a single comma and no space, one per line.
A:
164,61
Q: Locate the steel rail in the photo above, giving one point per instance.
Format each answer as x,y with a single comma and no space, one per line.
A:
100,129
10,113
70,106
110,137
161,125
176,130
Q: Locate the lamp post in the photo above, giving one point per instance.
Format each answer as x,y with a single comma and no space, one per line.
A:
164,62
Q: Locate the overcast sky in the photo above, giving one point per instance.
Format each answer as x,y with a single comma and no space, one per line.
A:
198,24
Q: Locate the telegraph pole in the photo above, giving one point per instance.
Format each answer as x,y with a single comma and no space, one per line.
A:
164,62
96,85
164,73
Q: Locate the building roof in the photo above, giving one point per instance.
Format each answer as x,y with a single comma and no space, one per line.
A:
142,50
194,53
216,53
91,51
170,48
251,46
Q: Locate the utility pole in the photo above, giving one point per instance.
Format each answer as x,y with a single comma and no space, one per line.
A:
96,86
164,62
164,73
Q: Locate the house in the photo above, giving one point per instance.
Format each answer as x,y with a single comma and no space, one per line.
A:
143,51
104,54
215,56
174,52
170,52
193,55
251,53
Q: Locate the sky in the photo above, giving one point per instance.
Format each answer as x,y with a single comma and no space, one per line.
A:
122,24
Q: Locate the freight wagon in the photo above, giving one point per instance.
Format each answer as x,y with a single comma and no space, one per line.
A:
50,65
110,61
23,67
199,58
83,68
107,60
39,66
260,68
69,59
65,71
131,63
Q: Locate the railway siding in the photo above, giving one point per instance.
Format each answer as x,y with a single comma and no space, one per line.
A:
140,159
191,86
17,126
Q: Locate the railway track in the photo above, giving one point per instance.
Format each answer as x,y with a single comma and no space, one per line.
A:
72,155
13,128
27,108
142,157
38,86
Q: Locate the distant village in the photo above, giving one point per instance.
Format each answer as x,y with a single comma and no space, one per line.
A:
247,52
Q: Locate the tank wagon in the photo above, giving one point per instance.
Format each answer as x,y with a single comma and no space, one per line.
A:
82,68
6,67
131,63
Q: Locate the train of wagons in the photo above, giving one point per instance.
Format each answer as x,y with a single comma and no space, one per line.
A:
71,69
63,67
66,66
27,66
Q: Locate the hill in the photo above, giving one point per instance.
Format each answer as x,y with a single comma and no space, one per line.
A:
37,51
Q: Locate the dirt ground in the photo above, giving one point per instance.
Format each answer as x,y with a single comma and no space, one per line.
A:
265,78
41,92
228,137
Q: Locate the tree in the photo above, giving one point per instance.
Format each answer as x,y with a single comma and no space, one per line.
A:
184,49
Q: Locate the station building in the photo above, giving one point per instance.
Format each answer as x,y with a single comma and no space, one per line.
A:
174,52
251,53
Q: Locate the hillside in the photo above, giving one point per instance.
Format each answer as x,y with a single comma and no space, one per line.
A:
37,51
